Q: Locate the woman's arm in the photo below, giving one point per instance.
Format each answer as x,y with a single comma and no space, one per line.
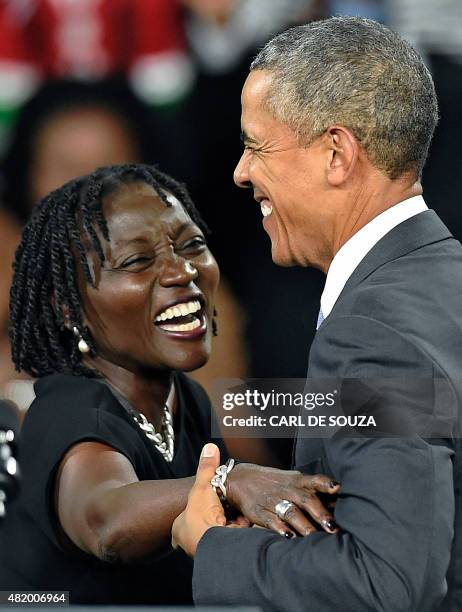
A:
106,511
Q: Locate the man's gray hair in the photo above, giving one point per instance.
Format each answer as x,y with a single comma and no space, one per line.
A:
357,73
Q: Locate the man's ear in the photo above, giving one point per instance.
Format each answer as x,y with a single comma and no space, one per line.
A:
344,153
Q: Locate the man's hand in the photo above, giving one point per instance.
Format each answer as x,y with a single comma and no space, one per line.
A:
204,509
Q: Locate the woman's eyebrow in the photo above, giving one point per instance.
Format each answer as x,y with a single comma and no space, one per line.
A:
146,240
138,240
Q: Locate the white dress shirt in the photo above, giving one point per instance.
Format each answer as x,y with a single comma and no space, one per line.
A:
358,246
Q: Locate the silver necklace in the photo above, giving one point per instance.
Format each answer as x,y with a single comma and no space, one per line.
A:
164,441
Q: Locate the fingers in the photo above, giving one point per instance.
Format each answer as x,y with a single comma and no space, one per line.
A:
176,529
269,520
311,504
320,483
203,509
216,516
298,521
209,461
239,521
202,496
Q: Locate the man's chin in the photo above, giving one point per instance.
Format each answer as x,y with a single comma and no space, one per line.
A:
284,260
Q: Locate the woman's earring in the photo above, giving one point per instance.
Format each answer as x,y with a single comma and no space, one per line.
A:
83,346
214,323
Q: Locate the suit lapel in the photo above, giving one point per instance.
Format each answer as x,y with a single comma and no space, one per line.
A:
418,231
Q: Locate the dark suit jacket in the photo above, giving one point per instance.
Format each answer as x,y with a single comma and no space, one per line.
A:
399,315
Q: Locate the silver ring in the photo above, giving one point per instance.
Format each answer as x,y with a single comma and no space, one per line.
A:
189,268
282,507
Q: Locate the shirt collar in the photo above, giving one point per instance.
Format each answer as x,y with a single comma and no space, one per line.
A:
358,246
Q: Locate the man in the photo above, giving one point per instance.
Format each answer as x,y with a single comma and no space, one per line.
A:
337,118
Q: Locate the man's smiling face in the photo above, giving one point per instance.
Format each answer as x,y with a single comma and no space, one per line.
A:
288,179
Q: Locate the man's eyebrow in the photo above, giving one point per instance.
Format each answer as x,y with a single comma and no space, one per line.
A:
246,138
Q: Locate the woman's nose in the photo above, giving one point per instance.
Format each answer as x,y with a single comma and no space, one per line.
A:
177,271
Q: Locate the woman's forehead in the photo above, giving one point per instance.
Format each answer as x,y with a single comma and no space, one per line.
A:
136,208
127,195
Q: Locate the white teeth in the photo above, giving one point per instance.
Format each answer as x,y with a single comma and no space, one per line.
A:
266,209
181,328
180,310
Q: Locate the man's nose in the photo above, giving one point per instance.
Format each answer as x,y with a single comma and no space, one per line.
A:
177,270
241,172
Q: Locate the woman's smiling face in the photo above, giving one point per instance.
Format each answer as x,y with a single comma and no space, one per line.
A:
152,307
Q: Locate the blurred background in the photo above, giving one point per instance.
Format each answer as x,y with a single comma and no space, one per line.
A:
86,83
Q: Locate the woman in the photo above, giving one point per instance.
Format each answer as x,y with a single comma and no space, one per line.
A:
69,129
112,300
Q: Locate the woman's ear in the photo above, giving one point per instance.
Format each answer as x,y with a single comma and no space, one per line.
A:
64,312
66,317
344,152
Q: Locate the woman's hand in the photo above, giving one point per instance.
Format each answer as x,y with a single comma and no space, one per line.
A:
254,491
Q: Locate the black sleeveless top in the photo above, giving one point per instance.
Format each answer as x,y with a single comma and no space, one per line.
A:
67,410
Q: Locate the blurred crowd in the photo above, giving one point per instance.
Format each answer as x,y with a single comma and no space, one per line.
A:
86,83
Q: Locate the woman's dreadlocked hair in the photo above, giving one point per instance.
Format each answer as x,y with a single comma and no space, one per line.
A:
64,224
